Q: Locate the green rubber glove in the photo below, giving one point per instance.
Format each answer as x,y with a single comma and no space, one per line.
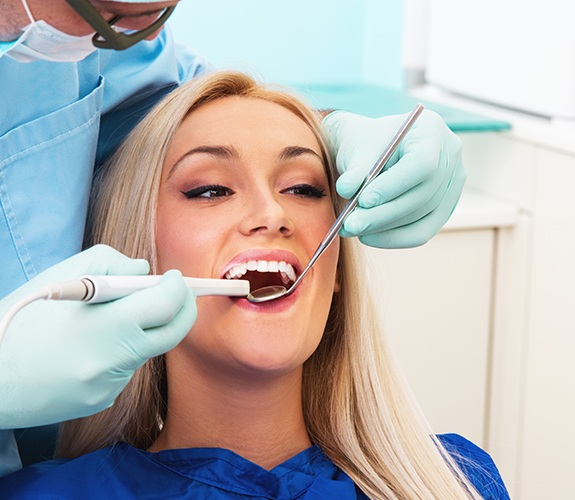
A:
413,198
63,359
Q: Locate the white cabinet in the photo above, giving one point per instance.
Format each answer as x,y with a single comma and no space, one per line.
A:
531,397
532,402
435,304
546,458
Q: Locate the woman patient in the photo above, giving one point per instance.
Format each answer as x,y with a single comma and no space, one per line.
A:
293,398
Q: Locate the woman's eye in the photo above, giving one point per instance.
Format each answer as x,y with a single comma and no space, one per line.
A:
306,190
211,191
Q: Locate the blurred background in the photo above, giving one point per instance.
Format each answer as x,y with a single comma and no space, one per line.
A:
298,41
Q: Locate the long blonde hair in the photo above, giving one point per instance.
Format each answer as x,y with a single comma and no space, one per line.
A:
356,407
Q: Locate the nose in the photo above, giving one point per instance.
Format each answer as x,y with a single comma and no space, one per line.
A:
266,216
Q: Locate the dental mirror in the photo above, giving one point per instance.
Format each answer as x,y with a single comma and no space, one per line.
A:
267,293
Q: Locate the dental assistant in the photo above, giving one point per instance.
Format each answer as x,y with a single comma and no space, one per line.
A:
72,87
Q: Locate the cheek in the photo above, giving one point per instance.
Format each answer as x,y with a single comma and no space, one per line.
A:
179,241
317,220
188,238
169,247
317,224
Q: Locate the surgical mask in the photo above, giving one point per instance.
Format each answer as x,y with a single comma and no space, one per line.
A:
42,42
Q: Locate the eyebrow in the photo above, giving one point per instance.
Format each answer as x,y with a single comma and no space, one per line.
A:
295,151
223,152
230,153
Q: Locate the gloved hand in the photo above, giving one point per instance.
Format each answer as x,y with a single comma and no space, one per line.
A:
413,198
63,359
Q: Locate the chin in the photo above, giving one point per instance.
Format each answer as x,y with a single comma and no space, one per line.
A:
269,371
273,360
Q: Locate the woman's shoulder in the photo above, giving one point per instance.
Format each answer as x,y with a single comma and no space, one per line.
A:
477,465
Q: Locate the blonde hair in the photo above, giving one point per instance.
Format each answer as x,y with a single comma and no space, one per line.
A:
356,407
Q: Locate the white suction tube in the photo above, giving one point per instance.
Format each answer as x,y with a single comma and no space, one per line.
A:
98,289
108,288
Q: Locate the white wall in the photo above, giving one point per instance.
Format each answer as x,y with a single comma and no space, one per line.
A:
298,41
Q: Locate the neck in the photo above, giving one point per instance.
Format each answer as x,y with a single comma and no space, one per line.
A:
261,419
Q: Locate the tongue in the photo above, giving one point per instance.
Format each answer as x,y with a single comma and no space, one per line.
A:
259,280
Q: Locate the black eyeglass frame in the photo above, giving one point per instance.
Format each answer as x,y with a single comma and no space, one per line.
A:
106,36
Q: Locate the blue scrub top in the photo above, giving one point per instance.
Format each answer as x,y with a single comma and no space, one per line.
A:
125,472
57,120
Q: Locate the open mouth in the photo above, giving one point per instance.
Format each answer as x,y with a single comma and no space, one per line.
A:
261,273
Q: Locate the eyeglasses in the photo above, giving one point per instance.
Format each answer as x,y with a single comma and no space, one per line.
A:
106,36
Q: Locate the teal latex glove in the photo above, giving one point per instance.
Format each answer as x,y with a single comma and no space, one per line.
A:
413,198
62,359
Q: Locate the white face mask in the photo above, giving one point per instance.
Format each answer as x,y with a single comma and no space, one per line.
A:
42,42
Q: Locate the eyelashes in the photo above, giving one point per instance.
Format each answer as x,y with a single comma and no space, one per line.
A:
209,191
306,191
213,191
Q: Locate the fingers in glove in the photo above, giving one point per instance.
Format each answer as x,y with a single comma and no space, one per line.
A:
169,335
99,259
356,171
411,172
416,233
103,259
407,208
165,313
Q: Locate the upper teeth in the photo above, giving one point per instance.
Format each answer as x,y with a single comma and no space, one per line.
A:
262,266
